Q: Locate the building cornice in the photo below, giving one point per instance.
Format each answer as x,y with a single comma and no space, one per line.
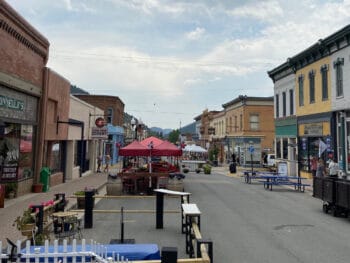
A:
18,27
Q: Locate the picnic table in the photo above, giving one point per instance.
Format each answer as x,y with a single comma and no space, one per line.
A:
270,179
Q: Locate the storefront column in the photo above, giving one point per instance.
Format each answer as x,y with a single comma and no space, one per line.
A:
342,142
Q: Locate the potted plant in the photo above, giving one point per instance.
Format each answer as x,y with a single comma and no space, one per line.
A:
39,239
11,190
38,188
81,197
198,170
185,170
25,223
207,169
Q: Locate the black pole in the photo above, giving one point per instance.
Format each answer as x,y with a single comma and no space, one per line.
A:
159,210
251,161
89,205
122,225
40,217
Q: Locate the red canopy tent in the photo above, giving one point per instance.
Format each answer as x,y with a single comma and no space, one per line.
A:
166,148
135,149
154,140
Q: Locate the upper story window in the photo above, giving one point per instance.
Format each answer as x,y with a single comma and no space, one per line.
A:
236,124
338,66
324,75
284,104
241,122
109,115
291,102
301,90
312,86
277,102
254,122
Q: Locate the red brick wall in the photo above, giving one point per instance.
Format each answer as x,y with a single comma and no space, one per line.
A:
104,102
58,95
56,179
23,51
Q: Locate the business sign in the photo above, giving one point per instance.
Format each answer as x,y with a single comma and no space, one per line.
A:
313,129
100,122
99,133
11,103
9,173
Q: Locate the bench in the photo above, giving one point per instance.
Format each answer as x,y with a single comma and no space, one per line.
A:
190,213
297,186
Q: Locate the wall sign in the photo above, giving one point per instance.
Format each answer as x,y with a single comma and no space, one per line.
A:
100,122
11,103
313,129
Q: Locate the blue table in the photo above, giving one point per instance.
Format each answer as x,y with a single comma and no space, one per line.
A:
295,181
128,251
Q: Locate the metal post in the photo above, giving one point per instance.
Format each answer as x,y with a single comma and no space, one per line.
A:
89,204
122,225
40,217
169,255
159,210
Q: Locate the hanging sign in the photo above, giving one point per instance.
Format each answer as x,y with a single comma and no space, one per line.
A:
100,122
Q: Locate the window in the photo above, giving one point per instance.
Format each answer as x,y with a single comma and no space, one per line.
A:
285,148
236,124
56,157
324,73
339,76
277,106
301,90
109,115
312,86
278,148
291,102
231,124
241,122
254,122
284,106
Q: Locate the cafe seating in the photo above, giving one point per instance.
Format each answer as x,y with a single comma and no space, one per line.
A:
128,185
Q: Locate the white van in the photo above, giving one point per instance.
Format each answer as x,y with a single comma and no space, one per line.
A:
269,160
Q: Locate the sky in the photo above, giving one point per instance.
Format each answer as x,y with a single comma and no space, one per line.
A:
169,60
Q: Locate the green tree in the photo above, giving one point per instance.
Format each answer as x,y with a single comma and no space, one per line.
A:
174,136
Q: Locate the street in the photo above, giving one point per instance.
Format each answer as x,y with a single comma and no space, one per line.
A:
249,224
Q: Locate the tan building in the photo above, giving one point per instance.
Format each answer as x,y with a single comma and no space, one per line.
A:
250,127
218,138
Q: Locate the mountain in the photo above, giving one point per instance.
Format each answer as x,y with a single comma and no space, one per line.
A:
158,130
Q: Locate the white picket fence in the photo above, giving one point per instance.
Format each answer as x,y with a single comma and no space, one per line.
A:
97,253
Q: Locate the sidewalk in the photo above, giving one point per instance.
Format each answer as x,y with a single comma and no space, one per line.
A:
15,207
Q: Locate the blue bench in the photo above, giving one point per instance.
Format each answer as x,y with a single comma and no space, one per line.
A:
297,186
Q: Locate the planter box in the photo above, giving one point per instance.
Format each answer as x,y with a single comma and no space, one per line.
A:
81,203
27,229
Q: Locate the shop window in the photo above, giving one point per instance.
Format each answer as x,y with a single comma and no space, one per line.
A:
278,148
25,164
301,90
308,149
241,122
285,148
324,74
338,66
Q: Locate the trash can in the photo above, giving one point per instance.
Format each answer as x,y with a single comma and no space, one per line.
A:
233,168
45,178
2,195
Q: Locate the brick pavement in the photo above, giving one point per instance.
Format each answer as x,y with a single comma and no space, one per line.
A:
15,207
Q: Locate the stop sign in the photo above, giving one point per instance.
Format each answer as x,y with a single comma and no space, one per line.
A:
100,122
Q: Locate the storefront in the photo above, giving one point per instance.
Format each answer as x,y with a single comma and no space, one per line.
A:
316,139
18,118
248,150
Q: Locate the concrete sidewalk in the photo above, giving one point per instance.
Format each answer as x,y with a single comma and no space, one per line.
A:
15,207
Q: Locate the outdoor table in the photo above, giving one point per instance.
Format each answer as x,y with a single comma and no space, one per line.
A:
128,251
282,180
160,203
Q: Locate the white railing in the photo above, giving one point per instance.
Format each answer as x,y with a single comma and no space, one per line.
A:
96,253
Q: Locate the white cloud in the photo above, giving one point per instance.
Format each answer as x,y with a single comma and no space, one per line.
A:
196,34
262,10
77,7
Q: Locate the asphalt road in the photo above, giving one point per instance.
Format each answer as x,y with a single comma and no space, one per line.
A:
250,224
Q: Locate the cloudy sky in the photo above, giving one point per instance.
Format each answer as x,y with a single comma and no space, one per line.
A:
169,60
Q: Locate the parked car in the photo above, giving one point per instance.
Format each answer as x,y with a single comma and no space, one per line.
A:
269,160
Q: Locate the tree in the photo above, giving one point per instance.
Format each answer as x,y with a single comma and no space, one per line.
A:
174,136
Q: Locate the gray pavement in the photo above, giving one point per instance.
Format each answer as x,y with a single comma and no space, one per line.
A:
15,207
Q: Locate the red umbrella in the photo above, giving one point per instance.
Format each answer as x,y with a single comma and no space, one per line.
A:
166,148
151,140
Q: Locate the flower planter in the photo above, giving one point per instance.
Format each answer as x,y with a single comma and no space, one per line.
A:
81,203
38,188
27,229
